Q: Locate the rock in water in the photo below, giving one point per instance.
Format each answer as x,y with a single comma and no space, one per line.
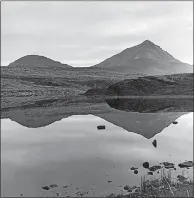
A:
146,164
186,164
46,187
135,171
154,143
175,122
100,127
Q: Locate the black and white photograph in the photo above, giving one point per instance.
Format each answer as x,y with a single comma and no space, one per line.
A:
97,99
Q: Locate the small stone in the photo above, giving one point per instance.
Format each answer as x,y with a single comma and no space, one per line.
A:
100,127
150,173
53,186
154,143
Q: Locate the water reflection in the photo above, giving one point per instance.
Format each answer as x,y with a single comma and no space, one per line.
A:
74,152
152,104
146,124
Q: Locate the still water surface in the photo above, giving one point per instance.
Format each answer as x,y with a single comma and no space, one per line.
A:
73,152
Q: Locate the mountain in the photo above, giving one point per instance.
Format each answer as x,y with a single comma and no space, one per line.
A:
37,61
145,58
171,85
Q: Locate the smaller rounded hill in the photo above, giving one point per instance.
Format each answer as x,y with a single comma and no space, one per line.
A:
37,61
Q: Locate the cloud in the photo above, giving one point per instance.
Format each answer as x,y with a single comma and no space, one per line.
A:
87,32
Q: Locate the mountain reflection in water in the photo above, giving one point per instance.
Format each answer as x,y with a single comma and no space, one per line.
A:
73,151
147,124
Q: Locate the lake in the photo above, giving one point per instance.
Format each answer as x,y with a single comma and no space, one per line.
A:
73,152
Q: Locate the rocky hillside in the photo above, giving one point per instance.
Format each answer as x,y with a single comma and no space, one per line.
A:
146,58
177,84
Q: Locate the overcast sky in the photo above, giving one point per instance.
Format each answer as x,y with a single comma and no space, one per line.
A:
86,33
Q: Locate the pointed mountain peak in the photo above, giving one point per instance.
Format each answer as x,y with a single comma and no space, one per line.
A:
148,42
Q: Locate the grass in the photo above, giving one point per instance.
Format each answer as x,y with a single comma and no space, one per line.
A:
164,186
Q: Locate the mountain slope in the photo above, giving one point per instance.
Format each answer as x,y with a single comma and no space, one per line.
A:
37,61
146,58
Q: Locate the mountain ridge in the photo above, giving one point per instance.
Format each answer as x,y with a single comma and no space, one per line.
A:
145,58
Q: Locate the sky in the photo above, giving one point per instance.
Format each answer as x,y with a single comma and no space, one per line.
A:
83,33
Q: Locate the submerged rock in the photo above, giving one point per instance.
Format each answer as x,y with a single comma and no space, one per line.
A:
168,165
181,178
128,188
146,164
154,143
100,127
133,168
53,186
